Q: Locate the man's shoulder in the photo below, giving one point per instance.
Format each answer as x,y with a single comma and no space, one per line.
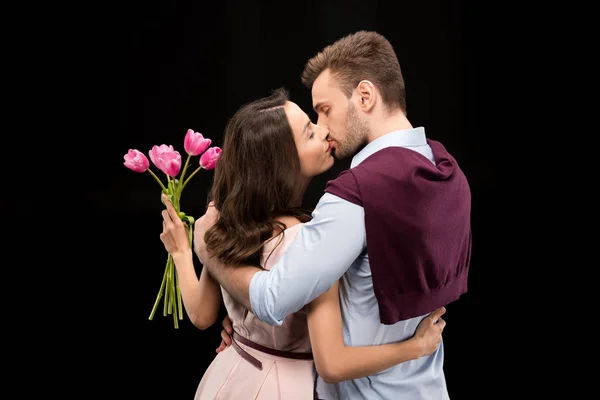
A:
345,186
390,158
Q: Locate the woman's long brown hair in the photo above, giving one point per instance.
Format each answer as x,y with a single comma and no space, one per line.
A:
255,181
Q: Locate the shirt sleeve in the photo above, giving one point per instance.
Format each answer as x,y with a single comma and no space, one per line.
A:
320,254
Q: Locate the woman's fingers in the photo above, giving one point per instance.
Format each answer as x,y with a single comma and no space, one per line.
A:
171,210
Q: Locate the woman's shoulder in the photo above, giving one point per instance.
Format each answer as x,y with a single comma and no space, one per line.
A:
289,221
292,225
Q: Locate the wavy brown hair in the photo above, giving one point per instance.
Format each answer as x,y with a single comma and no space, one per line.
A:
255,181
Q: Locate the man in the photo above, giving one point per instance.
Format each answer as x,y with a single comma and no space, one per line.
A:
395,227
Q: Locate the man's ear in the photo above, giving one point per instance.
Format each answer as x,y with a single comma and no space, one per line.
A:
367,95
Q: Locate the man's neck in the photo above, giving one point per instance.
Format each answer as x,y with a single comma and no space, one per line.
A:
388,123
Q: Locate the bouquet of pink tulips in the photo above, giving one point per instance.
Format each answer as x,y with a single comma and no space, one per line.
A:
168,161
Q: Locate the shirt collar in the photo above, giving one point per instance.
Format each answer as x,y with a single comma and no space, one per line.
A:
400,138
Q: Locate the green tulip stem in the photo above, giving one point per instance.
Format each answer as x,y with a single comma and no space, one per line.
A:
157,180
191,176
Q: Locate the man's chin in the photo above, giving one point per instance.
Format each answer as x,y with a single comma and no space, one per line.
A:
338,155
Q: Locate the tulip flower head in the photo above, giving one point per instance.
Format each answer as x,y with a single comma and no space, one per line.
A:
210,157
136,161
194,143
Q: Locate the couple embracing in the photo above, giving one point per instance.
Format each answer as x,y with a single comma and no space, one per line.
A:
345,302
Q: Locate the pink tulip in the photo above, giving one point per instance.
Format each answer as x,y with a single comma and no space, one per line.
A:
171,162
136,161
195,143
156,152
210,157
167,159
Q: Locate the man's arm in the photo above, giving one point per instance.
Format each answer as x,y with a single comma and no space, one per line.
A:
234,279
323,250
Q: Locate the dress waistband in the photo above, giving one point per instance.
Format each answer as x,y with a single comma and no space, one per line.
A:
274,352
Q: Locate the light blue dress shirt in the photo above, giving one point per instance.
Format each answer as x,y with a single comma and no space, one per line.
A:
332,246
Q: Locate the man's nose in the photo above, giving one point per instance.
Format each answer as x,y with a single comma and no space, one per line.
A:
321,120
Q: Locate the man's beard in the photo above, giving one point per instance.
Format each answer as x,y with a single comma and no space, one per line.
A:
357,132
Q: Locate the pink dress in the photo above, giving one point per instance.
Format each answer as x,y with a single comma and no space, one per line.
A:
231,377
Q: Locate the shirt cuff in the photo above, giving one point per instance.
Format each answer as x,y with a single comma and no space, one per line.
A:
260,301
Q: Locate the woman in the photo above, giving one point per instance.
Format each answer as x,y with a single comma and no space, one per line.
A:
271,151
